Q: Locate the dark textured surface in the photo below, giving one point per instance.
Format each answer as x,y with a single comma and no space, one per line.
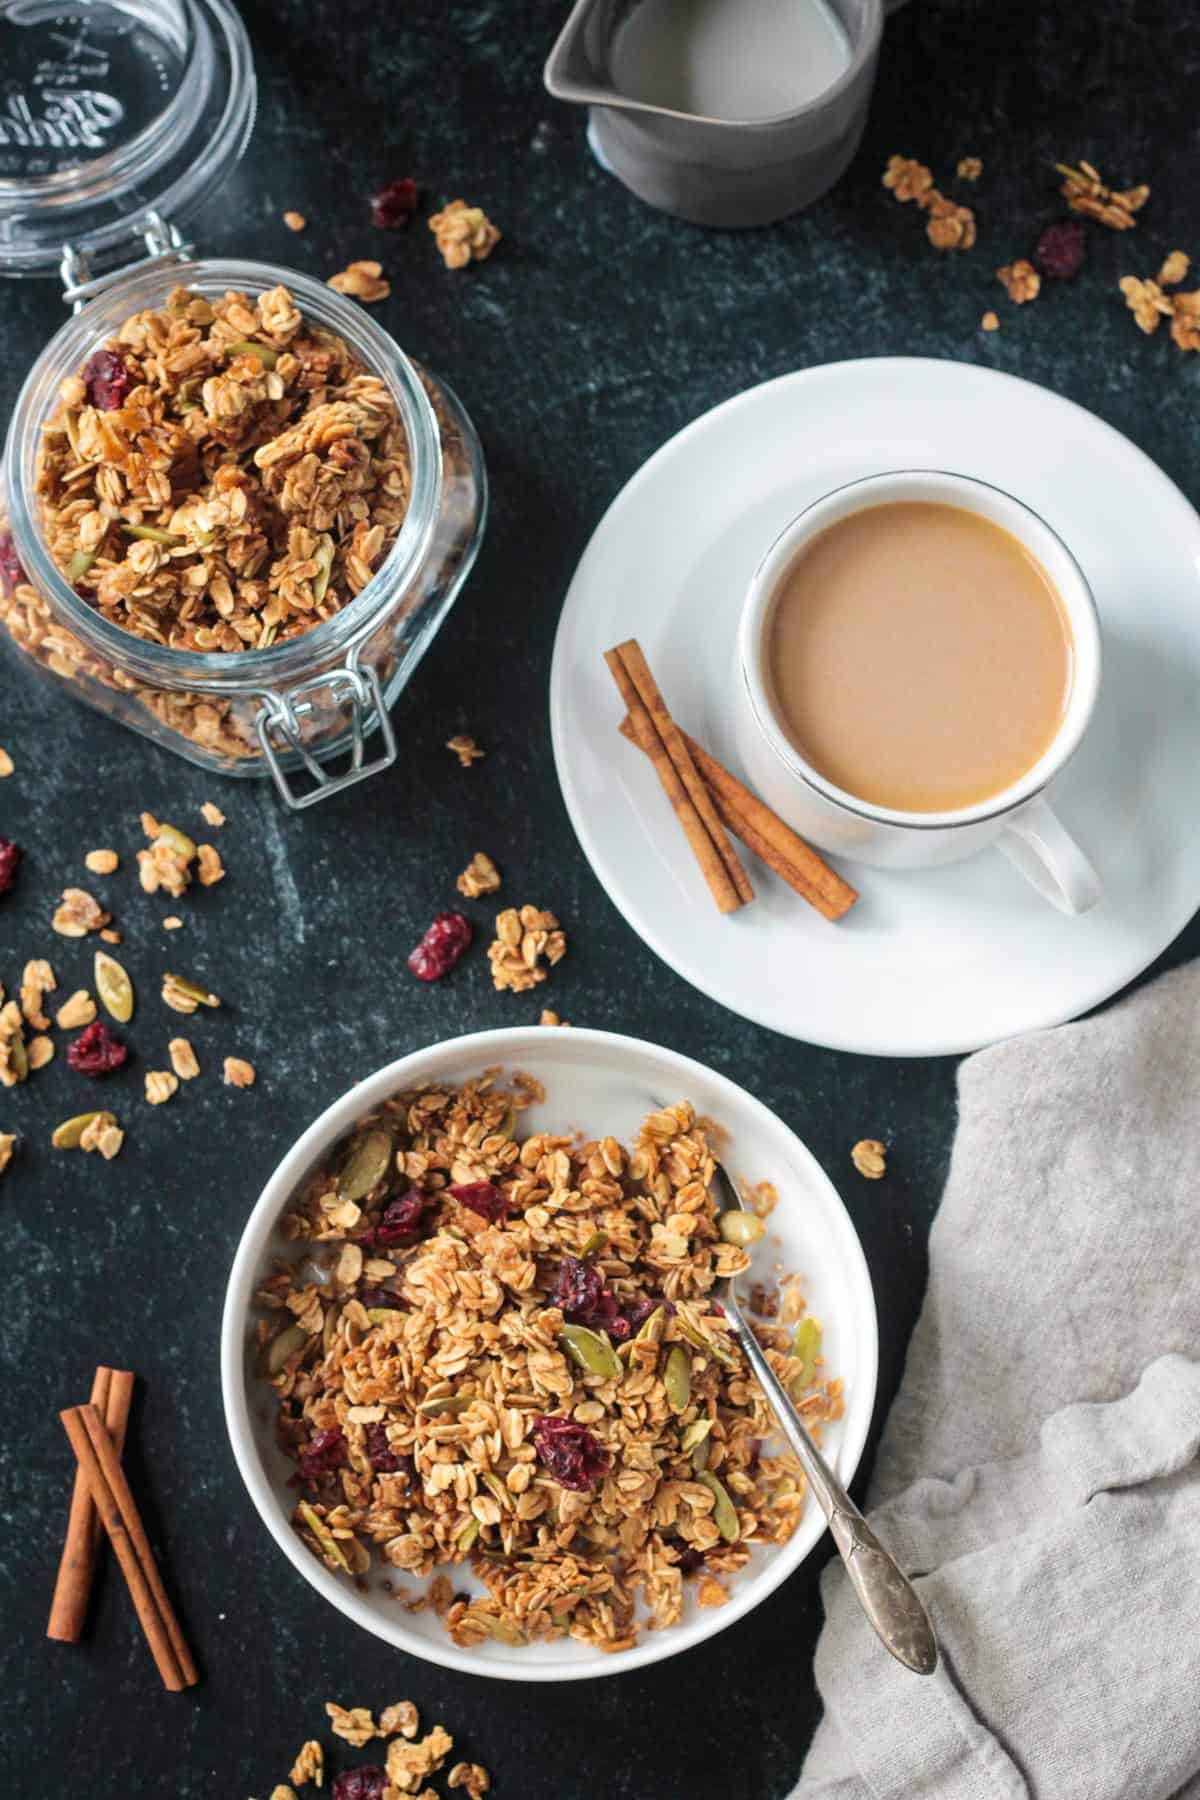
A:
595,332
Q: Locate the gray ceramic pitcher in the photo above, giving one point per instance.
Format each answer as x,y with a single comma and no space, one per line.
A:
716,171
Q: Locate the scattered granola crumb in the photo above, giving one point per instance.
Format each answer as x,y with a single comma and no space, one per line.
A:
79,1010
466,749
1185,325
283,1792
354,1724
363,281
970,168
102,862
907,178
110,936
550,1017
1147,302
410,1764
183,1059
6,763
464,234
172,922
1086,193
8,1143
522,940
103,1134
212,814
309,1764
1174,269
949,226
869,1158
78,914
160,1085
990,322
710,1592
13,1067
209,865
295,221
403,1717
37,981
481,876
39,1051
761,1197
149,824
471,1776
1020,281
185,996
167,864
239,1073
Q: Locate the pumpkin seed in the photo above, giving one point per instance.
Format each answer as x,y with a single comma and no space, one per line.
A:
176,840
281,1348
18,1057
677,1378
150,534
724,1511
497,1489
497,1628
67,1135
468,1534
367,1162
710,1346
325,1538
592,1351
323,557
651,1329
244,347
79,565
193,990
741,1228
449,1403
700,1455
376,1315
807,1346
696,1433
508,1123
593,1245
114,987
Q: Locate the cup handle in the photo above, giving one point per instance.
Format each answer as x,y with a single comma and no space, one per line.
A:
1050,860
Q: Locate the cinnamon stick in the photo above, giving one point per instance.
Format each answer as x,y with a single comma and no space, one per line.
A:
646,735
118,1512
112,1393
764,833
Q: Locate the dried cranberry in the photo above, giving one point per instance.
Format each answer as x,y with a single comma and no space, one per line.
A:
402,1216
1060,249
446,940
573,1456
10,856
384,1460
107,380
95,1051
384,1296
581,1295
11,572
690,1559
394,204
367,1783
324,1452
484,1198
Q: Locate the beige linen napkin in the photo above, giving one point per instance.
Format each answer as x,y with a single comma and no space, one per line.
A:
1039,1469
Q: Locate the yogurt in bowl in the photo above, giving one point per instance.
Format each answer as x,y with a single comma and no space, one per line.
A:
595,1084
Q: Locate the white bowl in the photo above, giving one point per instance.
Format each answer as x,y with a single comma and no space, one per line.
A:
597,1082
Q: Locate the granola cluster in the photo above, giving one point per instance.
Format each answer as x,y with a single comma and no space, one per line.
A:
1149,304
948,225
1084,192
525,942
447,1403
463,234
410,1760
222,475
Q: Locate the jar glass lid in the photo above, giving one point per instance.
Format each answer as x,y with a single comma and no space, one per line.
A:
117,117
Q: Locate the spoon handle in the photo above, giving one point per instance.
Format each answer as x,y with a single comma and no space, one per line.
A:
885,1593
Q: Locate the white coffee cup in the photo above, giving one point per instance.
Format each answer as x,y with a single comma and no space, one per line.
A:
1018,820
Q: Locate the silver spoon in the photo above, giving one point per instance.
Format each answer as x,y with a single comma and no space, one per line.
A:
884,1592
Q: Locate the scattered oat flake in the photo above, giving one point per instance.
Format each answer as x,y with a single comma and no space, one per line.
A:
710,1592
8,1143
355,1724
481,876
466,749
37,980
363,281
402,1718
309,1764
473,1778
79,1010
110,936
212,813
78,913
160,1085
172,922
1146,301
295,221
183,1059
40,1051
970,168
463,234
209,865
990,322
6,763
239,1073
1174,269
1020,281
870,1158
102,862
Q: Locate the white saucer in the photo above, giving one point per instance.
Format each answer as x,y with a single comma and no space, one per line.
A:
944,960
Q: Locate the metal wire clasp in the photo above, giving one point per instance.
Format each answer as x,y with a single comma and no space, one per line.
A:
281,723
164,244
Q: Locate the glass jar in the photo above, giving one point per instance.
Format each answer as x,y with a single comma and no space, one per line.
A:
315,698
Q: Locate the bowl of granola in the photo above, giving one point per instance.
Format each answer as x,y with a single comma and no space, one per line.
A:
474,1377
